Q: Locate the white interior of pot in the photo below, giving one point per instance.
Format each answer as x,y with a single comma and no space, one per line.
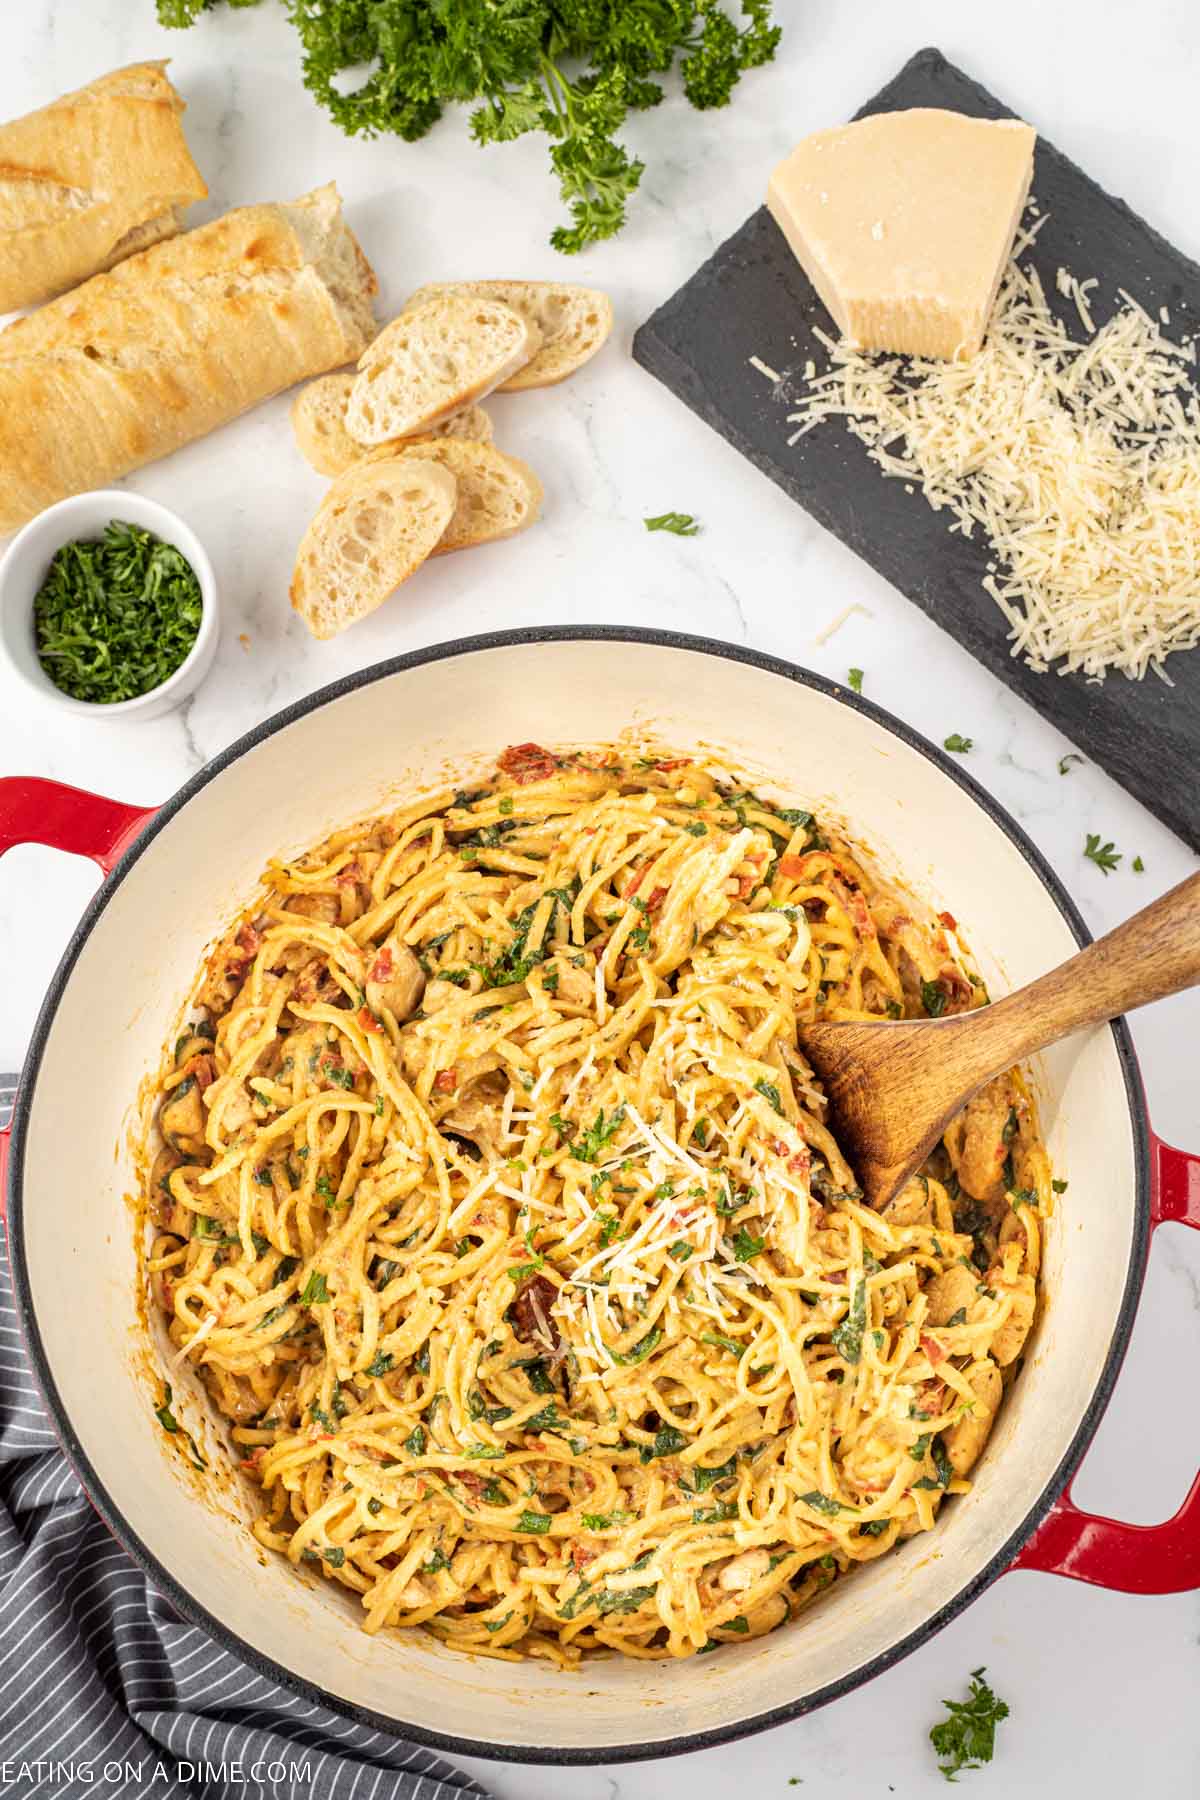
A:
136,971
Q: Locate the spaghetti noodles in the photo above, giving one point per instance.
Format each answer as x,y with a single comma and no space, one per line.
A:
497,1209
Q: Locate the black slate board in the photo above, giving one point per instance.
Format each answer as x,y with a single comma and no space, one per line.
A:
751,298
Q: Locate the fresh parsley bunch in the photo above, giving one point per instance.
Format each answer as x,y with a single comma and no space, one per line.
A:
571,68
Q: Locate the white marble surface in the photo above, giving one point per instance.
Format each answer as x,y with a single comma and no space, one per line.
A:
1102,1687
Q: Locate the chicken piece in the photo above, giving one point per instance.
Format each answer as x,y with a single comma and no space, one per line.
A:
228,966
759,1620
576,987
237,1108
744,1571
316,985
181,1118
976,1140
414,1596
395,980
953,1291
911,1206
324,908
1009,1341
476,1115
964,1440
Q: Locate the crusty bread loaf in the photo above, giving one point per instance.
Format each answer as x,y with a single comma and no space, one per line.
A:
378,522
573,321
498,495
319,424
174,342
432,361
89,179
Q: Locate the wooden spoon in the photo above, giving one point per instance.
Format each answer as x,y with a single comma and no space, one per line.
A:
894,1088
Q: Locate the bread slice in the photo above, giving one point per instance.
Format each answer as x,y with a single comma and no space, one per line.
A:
432,361
319,424
574,323
498,495
375,526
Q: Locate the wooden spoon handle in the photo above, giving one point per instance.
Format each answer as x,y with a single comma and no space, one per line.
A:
1154,954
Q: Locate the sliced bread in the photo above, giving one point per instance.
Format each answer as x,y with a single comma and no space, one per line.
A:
319,424
498,495
432,361
378,522
573,321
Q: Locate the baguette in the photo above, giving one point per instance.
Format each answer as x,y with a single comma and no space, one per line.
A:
434,360
319,425
574,323
376,525
173,342
498,495
89,179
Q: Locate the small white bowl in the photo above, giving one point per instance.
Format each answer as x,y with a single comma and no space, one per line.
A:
24,569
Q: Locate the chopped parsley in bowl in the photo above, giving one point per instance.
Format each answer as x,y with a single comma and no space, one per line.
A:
116,615
108,607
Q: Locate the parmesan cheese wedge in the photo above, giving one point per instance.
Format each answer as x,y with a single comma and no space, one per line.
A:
904,222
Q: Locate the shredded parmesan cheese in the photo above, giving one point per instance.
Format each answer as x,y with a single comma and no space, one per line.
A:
1078,459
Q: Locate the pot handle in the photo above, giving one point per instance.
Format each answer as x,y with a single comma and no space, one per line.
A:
1133,1559
36,811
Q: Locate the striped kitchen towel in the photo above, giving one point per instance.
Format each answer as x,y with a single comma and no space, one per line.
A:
106,1692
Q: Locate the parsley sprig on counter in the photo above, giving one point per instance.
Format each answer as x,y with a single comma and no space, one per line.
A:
573,69
967,1739
116,615
1105,856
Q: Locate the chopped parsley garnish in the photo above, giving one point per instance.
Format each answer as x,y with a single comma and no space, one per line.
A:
681,524
945,1474
967,1739
703,1479
740,1624
848,1336
821,1503
641,1350
746,1246
1060,1187
116,615
933,999
720,1514
1105,856
1138,866
380,1363
596,1138
604,1521
171,1425
958,744
666,1443
537,1523
769,1092
414,1443
855,678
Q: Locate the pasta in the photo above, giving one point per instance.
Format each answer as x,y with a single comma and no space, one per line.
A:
497,1210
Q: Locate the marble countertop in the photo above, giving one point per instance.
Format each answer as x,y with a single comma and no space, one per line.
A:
1102,1686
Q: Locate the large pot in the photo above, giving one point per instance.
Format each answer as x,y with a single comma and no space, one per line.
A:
177,874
